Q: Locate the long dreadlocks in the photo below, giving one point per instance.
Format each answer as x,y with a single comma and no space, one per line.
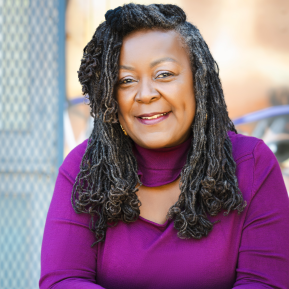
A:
106,185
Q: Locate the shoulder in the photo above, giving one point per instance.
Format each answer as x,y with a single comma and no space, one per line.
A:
257,166
71,164
245,147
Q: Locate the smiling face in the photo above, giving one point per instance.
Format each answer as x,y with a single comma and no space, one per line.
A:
155,90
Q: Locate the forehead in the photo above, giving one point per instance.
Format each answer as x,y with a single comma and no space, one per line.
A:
151,44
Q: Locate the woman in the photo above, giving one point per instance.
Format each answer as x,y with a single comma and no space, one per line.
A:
168,195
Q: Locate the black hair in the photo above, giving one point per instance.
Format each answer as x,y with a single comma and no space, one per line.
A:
106,185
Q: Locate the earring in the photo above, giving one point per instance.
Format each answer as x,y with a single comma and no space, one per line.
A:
123,129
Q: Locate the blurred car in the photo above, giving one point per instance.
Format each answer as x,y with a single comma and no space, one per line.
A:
271,125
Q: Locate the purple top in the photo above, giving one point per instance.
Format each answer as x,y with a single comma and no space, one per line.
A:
245,251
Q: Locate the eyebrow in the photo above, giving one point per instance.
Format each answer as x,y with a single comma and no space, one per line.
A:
158,61
126,67
154,63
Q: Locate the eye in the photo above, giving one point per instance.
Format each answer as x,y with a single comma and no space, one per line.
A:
164,75
126,81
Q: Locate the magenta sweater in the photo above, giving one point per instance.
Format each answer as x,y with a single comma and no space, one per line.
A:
245,251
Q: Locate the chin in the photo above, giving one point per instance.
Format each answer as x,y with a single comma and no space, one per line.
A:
156,141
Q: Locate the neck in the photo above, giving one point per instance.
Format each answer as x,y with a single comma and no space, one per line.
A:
157,167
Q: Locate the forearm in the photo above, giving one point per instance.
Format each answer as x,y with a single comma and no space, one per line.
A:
75,283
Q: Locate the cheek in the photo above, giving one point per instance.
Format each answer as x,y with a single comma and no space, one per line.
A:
182,99
125,104
188,99
122,104
188,110
192,109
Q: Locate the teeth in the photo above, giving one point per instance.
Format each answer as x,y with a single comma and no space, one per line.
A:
154,116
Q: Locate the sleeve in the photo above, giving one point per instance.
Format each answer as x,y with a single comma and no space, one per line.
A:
67,259
263,260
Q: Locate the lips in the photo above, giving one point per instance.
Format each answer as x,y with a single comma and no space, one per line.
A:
152,115
153,118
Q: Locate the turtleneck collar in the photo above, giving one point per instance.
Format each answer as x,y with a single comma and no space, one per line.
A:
157,167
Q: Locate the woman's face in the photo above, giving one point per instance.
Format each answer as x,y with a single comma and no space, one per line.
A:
155,90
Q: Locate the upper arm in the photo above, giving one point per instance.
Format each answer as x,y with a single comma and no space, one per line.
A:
264,252
67,259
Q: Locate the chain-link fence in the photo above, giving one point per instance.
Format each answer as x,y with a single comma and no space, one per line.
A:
31,107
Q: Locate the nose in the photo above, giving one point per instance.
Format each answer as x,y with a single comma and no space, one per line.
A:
147,93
